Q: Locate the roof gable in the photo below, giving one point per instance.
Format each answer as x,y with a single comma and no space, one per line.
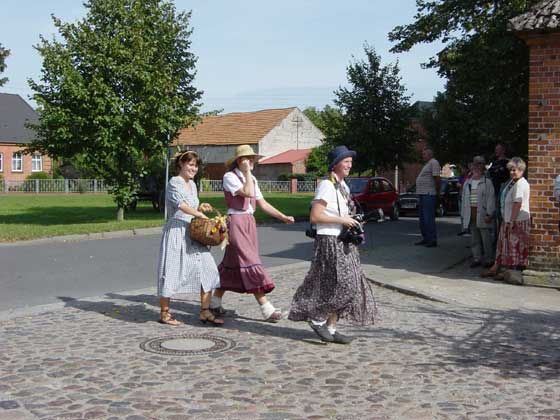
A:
15,114
234,128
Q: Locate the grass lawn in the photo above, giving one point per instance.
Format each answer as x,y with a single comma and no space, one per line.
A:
30,216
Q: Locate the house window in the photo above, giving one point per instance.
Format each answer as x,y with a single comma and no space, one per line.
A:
1,162
36,163
17,162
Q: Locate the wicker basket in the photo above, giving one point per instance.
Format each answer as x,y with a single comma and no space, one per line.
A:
212,231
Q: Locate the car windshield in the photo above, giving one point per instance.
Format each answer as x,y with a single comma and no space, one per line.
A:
357,185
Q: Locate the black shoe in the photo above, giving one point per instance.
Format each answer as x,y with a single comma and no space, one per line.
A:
323,332
341,339
422,242
431,244
475,264
463,232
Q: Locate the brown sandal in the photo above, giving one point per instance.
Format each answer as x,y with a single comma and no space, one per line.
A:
206,315
488,273
167,319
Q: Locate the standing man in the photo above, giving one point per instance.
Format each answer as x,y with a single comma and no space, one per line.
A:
499,174
427,187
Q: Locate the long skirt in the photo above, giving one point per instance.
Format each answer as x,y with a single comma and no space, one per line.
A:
513,244
184,265
335,284
241,269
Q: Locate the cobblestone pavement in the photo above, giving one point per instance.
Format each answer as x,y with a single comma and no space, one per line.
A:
424,360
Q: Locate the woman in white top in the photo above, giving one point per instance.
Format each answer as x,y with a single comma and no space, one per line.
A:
241,269
335,286
512,250
478,206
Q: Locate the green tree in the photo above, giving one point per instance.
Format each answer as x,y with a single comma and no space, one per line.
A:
116,86
376,114
486,67
329,120
4,53
316,162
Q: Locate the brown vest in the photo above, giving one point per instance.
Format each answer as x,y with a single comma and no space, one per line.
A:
238,202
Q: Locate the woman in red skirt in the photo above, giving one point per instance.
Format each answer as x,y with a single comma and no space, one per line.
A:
241,270
512,251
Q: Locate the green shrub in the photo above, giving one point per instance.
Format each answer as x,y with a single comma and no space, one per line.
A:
38,175
205,184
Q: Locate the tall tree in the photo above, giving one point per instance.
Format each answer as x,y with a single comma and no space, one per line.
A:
486,68
376,112
116,86
4,53
330,121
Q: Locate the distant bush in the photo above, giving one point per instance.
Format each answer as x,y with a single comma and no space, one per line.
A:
38,175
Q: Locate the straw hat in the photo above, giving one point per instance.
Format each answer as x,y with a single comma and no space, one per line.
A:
240,151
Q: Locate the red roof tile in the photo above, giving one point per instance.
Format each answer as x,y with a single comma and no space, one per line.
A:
289,156
235,128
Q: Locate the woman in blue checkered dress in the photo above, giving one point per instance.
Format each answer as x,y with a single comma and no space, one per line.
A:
184,265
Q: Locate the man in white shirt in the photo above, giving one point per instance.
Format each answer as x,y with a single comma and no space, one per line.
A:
428,189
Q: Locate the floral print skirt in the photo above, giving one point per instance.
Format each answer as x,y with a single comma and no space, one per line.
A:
513,244
335,283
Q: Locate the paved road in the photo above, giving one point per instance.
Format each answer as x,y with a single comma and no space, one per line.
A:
422,361
39,274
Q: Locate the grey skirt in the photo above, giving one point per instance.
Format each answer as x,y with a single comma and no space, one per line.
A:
184,265
335,283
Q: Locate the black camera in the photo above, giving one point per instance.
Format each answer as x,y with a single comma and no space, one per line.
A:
355,234
311,231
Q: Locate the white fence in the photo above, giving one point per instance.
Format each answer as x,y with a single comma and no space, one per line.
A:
54,186
214,185
98,186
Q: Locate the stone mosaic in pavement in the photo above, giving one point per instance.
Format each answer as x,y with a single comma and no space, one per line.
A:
423,360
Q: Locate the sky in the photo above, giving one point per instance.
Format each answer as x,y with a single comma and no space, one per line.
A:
252,54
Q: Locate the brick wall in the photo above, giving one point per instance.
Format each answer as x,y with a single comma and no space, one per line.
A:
544,149
7,150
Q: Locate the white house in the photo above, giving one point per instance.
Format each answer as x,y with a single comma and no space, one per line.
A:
269,132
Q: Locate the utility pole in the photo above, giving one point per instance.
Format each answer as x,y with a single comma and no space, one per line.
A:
167,157
297,121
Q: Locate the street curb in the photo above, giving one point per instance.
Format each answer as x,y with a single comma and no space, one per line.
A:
112,234
407,291
86,236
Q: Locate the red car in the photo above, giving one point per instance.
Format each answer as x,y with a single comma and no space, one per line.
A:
375,193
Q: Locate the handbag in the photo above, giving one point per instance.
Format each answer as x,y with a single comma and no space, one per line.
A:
211,232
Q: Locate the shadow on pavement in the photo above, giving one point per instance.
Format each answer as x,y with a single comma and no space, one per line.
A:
185,312
514,343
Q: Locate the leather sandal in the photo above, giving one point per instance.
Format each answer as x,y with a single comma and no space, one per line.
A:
206,315
219,311
168,319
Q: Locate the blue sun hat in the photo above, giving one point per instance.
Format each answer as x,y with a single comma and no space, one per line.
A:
339,153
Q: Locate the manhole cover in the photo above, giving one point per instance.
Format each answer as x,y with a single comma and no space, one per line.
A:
188,345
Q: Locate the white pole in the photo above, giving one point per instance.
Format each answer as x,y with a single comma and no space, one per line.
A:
166,178
397,178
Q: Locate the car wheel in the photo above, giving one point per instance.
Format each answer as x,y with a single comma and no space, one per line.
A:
395,212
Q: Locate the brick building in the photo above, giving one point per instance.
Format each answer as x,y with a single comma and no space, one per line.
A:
540,28
269,132
15,165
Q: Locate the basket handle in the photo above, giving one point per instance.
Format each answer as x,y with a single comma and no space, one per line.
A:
215,210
